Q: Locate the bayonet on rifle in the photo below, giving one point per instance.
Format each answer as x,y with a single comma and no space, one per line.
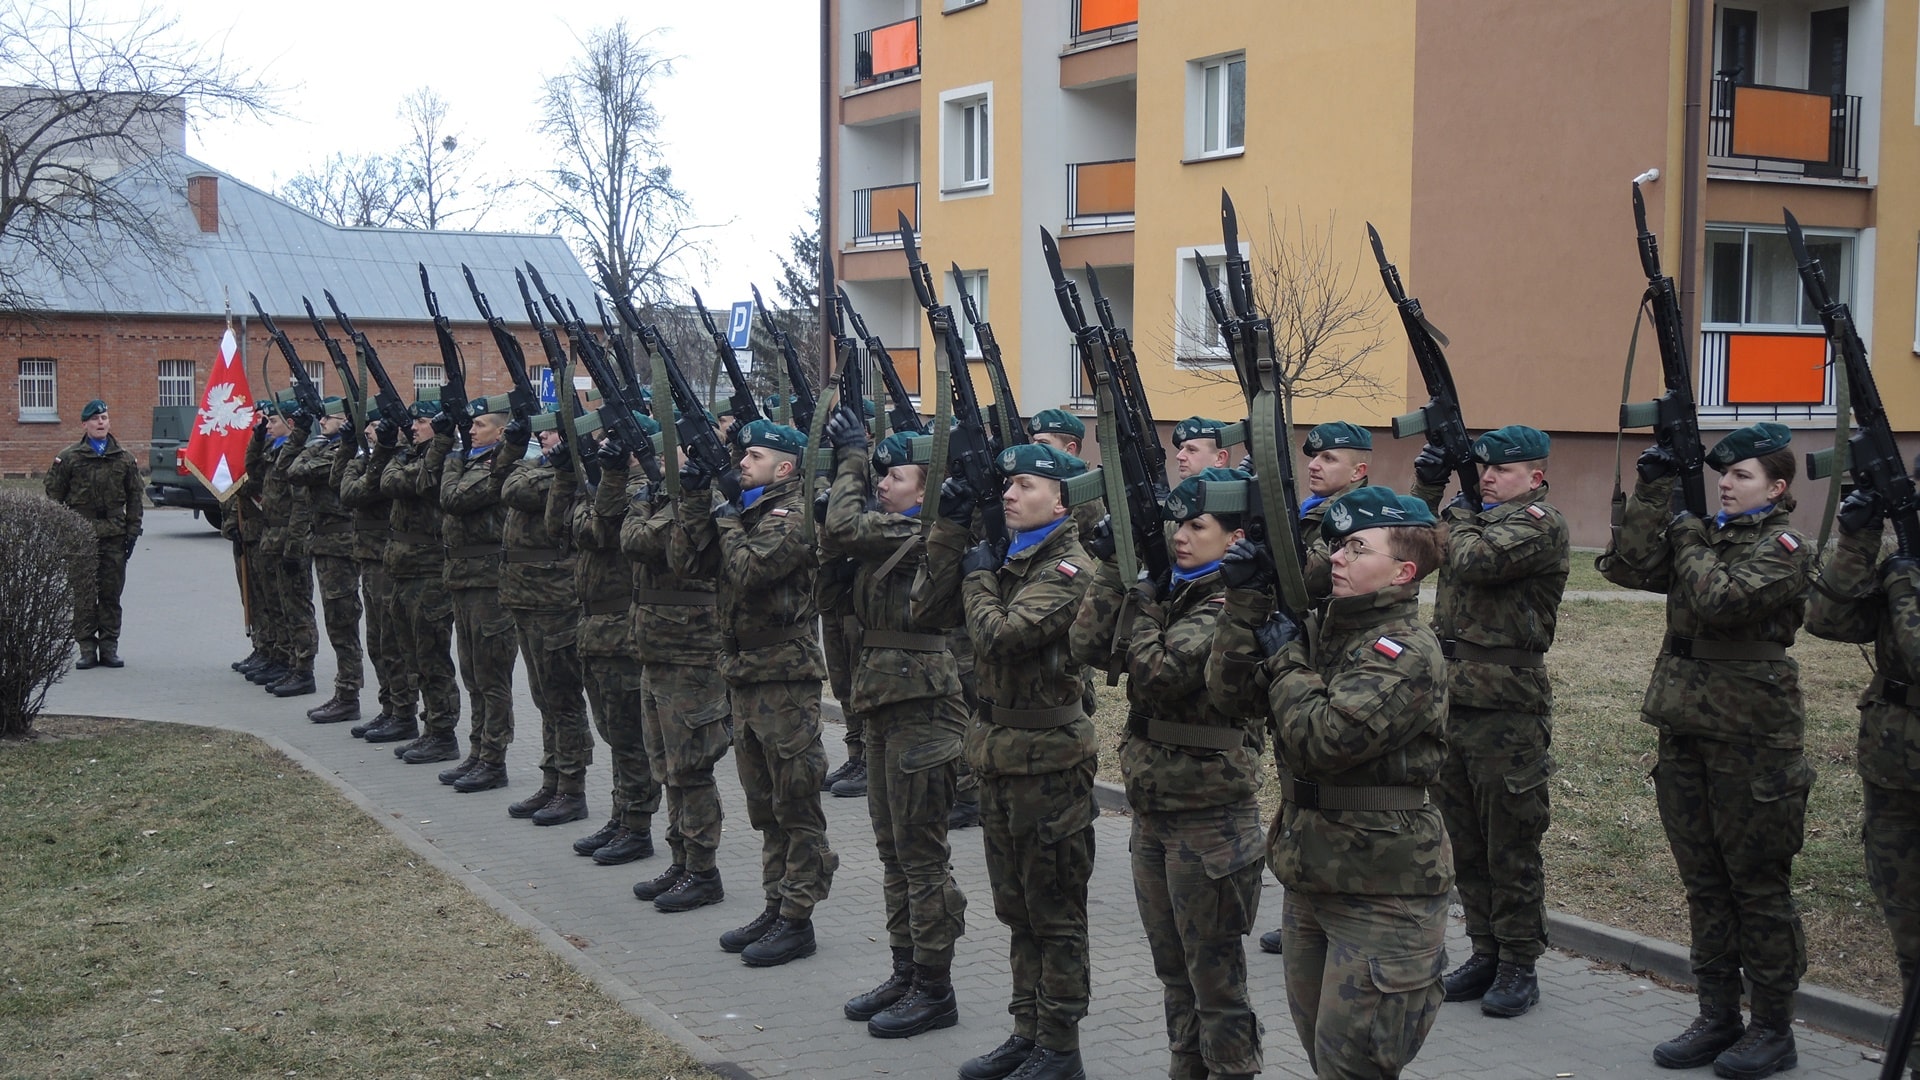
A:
1439,419
386,397
1673,416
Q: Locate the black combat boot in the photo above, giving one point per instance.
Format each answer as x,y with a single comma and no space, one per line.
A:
526,807
854,784
866,1006
89,656
1714,1030
964,815
627,845
110,653
1471,979
565,806
485,776
448,776
1270,941
359,731
1000,1061
653,888
592,842
436,746
296,684
1765,1049
1045,1064
1515,989
929,1006
694,889
739,938
268,673
396,729
344,706
246,660
786,940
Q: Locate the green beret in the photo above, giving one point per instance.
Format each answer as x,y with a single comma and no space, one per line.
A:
1515,442
1372,508
1059,420
1039,459
1197,427
335,405
266,407
895,449
425,409
1337,435
92,409
1748,442
1211,491
776,437
485,406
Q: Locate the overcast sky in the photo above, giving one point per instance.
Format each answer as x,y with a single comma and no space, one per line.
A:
741,110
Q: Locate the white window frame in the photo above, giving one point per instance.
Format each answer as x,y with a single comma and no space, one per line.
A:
177,378
39,388
425,375
1214,140
317,371
976,282
966,165
1192,320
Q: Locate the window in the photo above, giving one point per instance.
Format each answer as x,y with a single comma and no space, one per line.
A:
1217,106
1199,340
1753,280
317,371
966,141
975,283
1763,352
38,400
176,383
428,375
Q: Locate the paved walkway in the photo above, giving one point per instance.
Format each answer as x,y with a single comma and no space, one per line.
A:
183,628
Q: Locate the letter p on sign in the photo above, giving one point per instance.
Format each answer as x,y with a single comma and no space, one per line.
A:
740,324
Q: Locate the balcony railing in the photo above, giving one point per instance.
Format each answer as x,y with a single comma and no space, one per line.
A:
1777,129
1752,375
1103,20
876,213
886,52
1100,193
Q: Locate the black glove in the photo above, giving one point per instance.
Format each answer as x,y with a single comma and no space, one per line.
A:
613,453
1246,464
387,433
260,432
728,485
980,556
302,422
1655,461
561,458
1279,631
727,509
1430,466
1464,503
131,541
1245,566
846,430
442,424
1150,589
820,507
1861,509
1099,539
956,501
519,433
695,478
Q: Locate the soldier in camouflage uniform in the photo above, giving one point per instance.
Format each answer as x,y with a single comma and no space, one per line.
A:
1032,747
261,560
420,613
614,677
1861,597
1499,599
1359,709
909,689
360,492
1732,777
317,472
1064,432
751,541
240,525
840,633
100,481
290,540
537,587
1191,773
1338,456
472,518
1198,446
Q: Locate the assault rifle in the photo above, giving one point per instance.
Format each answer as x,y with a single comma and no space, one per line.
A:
745,409
549,341
305,393
622,358
616,407
356,401
967,447
696,434
386,397
804,399
1129,389
1673,417
522,400
1872,455
453,393
1008,428
1439,419
901,414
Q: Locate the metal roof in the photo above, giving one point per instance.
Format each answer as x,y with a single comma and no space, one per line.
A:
280,253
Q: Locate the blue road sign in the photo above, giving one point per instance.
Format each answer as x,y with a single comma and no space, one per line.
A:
547,394
740,324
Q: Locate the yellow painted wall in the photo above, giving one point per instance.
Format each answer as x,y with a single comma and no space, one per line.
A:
1896,369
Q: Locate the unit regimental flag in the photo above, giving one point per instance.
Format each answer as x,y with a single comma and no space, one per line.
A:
217,449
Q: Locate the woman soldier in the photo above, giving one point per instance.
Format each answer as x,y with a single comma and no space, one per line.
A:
1732,780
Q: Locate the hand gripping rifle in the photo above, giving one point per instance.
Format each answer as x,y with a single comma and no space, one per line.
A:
900,413
1439,419
1131,393
305,393
804,399
1871,455
453,394
563,373
745,409
386,397
691,428
1673,417
356,400
522,400
1008,428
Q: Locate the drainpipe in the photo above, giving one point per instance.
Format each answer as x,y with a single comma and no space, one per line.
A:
1693,171
826,175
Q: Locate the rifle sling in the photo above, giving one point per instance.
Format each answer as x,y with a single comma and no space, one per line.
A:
893,560
1620,434
1842,427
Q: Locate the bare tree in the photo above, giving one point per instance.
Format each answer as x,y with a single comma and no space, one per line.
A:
798,286
93,117
363,190
441,188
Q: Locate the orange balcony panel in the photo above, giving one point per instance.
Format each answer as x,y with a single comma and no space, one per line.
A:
1101,14
1785,125
889,203
1776,369
1104,188
896,47
907,363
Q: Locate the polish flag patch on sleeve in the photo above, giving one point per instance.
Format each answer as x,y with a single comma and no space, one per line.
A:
1389,648
1536,512
1790,542
1068,569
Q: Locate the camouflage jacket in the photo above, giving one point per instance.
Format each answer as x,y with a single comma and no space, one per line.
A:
104,488
312,476
1167,654
663,564
360,492
602,575
536,571
1367,707
413,537
276,496
1500,588
1018,619
765,571
1746,582
1850,604
472,517
1319,564
883,604
253,515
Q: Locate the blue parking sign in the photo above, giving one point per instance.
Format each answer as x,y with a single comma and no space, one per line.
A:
740,324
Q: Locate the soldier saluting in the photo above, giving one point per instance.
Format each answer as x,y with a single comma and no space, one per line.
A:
98,479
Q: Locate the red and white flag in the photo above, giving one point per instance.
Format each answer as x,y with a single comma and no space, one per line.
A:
217,448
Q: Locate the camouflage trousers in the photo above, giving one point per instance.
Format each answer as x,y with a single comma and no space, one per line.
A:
1493,795
967,789
913,748
1363,978
293,582
339,577
96,617
1196,878
684,706
841,634
483,630
777,749
376,602
1891,834
421,616
1038,835
269,629
1735,817
548,643
615,693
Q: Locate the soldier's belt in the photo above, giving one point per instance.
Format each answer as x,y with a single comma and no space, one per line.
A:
1031,719
1696,649
612,606
473,551
1308,795
674,598
332,528
1455,649
526,555
1174,733
760,639
1893,691
422,539
896,639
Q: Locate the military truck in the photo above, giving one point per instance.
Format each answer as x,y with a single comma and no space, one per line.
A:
169,482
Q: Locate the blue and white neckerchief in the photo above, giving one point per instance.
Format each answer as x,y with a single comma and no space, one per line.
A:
278,441
1311,502
99,445
912,511
751,496
1184,576
1032,537
476,451
1720,520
